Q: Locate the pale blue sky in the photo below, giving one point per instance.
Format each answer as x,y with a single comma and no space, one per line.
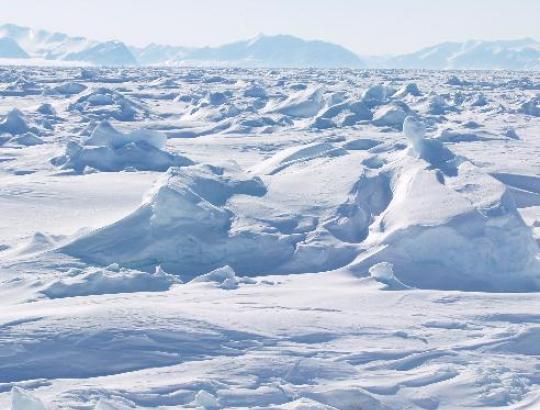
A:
366,27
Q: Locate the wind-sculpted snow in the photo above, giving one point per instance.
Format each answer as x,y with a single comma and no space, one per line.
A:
185,227
450,216
267,239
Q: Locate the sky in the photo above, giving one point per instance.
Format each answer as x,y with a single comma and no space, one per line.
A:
367,27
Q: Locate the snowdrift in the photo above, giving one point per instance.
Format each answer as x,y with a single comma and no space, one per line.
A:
449,225
184,226
432,217
303,104
15,130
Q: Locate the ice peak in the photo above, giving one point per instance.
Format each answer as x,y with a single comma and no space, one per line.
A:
415,131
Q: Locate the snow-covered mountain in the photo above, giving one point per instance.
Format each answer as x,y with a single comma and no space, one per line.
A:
59,46
107,53
10,49
267,51
277,51
521,54
261,51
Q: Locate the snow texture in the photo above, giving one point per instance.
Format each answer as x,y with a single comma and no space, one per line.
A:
288,238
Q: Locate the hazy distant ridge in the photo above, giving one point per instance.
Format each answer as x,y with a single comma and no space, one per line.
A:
266,51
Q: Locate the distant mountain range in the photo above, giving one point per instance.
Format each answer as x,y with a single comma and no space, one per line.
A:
18,42
261,51
521,54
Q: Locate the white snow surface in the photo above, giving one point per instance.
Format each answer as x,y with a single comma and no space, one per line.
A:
269,239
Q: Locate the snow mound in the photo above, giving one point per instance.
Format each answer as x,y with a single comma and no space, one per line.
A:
105,135
14,123
439,221
511,133
27,140
185,226
408,89
391,115
107,281
46,109
255,91
22,400
303,104
376,95
449,225
531,107
437,105
480,101
104,103
455,80
109,150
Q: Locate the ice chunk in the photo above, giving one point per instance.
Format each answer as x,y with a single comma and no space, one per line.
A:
408,89
377,95
70,88
255,91
22,400
105,134
27,139
455,80
382,272
531,107
100,282
46,109
225,277
14,123
415,131
437,105
391,116
105,103
206,400
109,150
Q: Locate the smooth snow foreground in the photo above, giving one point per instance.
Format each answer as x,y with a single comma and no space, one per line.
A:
268,239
